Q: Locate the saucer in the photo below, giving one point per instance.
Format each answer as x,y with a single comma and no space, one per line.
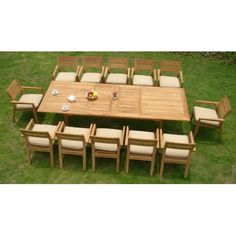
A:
54,92
65,107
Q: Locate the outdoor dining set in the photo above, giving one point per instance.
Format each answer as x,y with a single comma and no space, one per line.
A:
91,89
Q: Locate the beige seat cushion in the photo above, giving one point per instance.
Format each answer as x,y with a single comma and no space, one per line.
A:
143,80
66,76
141,135
32,98
174,138
116,78
44,142
202,112
91,77
169,81
71,144
108,133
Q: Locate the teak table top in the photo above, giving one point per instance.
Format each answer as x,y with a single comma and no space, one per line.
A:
137,102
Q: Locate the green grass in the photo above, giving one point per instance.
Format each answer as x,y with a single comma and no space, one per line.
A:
206,77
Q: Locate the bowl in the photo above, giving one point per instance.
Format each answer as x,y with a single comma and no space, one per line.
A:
65,107
71,98
92,94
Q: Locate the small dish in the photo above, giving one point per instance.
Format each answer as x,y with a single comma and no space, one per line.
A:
65,107
71,98
92,94
54,92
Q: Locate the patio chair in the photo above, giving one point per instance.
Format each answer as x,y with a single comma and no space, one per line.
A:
92,70
176,149
67,69
211,117
117,71
106,143
73,141
23,101
40,138
141,146
170,74
139,71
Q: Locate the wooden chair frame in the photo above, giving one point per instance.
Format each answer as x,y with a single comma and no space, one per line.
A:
106,154
171,67
141,157
145,65
191,147
72,137
66,62
222,108
91,62
117,63
14,91
28,132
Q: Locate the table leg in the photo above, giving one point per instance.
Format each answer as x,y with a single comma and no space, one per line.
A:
66,119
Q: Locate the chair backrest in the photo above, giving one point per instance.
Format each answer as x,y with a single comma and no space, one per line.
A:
143,142
118,63
170,66
67,61
106,140
224,107
92,62
14,89
72,137
141,64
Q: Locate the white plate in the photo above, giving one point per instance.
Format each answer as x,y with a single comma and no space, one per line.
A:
71,98
54,92
65,107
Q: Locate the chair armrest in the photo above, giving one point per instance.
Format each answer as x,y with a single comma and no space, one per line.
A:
158,138
206,102
216,120
77,72
55,72
26,103
103,71
155,77
30,125
32,88
180,75
158,77
132,73
161,141
81,71
126,136
123,137
106,73
62,126
191,140
91,131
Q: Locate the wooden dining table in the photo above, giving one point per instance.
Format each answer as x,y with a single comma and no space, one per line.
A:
135,102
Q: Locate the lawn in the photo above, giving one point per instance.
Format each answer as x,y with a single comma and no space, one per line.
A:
206,77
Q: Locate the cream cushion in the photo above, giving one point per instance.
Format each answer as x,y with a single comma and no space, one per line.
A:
202,112
174,138
141,135
108,133
116,78
44,142
90,77
72,144
66,76
143,80
32,98
169,81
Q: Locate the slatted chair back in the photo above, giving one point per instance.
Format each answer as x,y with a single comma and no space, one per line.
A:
142,142
170,66
92,62
14,90
106,140
71,137
117,63
141,64
224,107
67,61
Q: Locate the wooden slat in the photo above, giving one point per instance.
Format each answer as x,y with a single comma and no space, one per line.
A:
143,64
14,89
67,61
92,62
118,63
170,66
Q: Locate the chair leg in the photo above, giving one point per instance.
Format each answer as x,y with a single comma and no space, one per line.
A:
51,158
186,171
191,119
117,164
196,130
84,162
61,160
93,163
127,165
162,167
152,167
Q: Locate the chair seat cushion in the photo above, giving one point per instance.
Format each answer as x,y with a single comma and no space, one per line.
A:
108,133
175,138
143,80
116,78
91,77
203,112
72,144
141,135
32,98
66,76
44,142
169,81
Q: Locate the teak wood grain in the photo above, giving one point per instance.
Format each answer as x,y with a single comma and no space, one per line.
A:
137,102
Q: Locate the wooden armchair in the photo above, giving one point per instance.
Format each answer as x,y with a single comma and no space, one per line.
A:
73,141
208,117
113,77
106,143
170,74
143,65
177,149
41,138
141,146
23,101
65,63
91,63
